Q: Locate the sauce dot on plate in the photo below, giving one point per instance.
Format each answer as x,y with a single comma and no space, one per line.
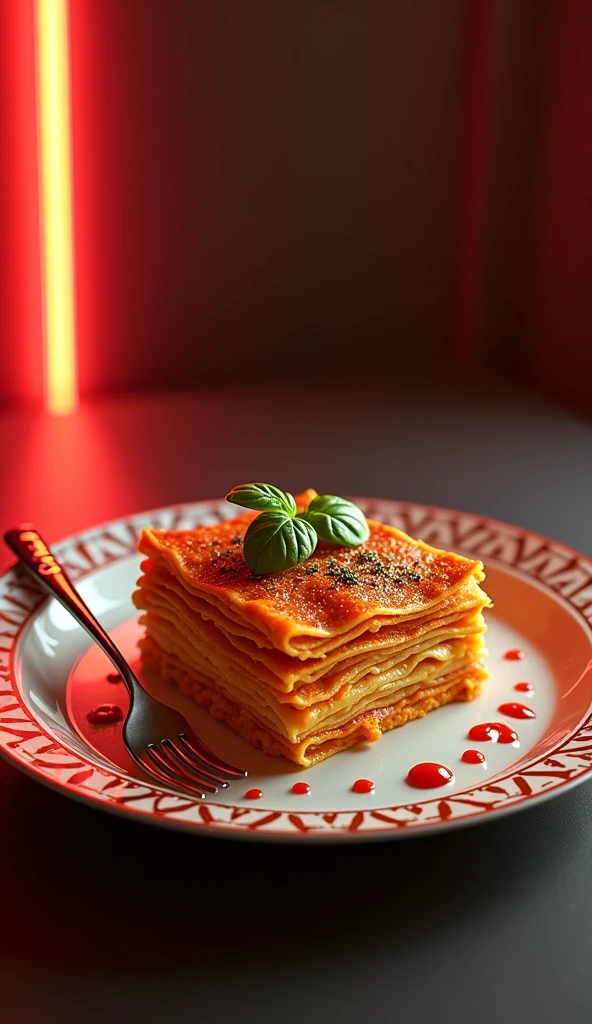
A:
363,786
515,710
300,788
105,714
524,688
473,757
493,732
514,655
253,794
429,775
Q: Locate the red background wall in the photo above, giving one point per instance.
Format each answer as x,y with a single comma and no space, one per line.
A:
275,190
256,186
560,340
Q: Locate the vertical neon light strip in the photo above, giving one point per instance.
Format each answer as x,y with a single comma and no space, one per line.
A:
53,106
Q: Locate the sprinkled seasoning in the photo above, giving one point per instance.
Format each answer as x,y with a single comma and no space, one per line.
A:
236,540
407,573
371,562
342,574
369,556
311,569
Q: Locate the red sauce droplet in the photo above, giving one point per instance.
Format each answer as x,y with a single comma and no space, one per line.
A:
514,655
473,757
494,732
301,788
515,710
363,786
253,794
113,677
428,775
105,714
524,688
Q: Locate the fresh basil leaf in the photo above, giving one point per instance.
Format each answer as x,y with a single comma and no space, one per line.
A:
336,520
275,541
264,497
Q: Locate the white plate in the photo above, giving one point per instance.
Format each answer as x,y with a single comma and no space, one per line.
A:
50,678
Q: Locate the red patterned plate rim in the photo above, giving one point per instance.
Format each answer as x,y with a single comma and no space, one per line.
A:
35,750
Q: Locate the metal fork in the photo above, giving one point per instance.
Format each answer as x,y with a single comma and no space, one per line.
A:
158,738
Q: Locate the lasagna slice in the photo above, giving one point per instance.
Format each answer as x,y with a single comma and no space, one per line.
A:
311,660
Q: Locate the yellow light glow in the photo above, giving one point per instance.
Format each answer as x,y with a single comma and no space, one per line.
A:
53,105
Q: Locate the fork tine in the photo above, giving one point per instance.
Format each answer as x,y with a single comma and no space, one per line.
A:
179,773
190,768
155,772
166,772
196,749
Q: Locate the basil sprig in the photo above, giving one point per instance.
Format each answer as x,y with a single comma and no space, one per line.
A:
276,541
282,537
337,521
262,497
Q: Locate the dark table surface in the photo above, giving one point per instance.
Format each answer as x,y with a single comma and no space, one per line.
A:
104,919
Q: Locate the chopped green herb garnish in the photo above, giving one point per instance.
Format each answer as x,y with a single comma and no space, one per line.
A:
368,556
343,574
408,573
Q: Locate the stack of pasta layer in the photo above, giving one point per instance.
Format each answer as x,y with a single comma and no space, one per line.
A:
309,661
